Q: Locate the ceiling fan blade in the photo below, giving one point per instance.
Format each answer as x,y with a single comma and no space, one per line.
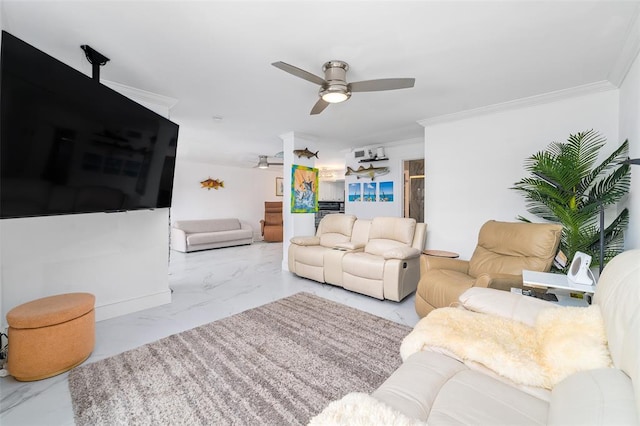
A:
299,73
382,84
319,107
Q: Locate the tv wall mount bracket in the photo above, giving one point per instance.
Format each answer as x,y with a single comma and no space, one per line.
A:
96,59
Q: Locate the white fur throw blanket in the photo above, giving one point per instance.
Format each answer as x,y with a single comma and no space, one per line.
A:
564,340
360,409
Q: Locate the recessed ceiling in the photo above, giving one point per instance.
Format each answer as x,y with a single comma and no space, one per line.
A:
215,58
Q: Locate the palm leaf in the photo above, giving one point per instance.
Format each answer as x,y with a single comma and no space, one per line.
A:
567,186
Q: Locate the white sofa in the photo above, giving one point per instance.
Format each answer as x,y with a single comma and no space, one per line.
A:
192,235
434,387
378,257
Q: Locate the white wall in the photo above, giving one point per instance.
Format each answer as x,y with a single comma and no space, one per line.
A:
470,164
397,152
122,258
243,196
630,129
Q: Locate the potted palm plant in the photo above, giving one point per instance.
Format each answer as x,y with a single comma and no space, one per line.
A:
566,186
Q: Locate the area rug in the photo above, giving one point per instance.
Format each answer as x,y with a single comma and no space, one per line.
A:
280,363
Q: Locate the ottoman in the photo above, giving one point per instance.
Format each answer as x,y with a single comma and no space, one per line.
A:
51,335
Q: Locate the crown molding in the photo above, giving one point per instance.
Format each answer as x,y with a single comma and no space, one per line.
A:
628,54
141,95
600,86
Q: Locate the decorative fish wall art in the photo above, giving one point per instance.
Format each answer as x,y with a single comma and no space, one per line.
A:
212,183
369,172
305,153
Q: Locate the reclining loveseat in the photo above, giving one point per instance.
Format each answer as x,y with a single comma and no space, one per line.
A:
378,257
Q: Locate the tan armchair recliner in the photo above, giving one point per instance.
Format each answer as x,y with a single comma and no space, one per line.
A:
504,249
271,226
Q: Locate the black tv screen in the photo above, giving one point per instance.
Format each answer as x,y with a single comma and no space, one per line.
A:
69,144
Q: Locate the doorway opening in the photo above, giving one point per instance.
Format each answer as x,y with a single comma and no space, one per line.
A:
414,189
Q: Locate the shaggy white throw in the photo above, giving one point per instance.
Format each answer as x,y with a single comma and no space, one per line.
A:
361,409
564,341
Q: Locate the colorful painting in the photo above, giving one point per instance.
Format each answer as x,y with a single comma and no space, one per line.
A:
386,192
369,191
304,189
355,192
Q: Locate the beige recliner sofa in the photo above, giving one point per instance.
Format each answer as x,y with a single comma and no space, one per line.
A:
504,249
433,387
378,257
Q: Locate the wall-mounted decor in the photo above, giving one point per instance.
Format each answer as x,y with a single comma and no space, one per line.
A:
386,192
368,172
279,187
212,183
304,189
305,153
355,192
369,194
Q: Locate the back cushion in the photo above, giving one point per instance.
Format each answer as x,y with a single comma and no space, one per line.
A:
618,295
389,232
335,228
393,228
510,247
207,225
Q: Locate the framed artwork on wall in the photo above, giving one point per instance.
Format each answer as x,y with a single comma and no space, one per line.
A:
369,194
279,187
304,189
355,192
386,192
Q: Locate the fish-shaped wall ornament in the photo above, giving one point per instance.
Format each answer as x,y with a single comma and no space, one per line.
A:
369,172
305,153
212,183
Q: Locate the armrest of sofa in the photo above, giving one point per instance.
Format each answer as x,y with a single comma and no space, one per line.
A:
305,241
178,239
498,281
401,253
349,246
433,262
504,304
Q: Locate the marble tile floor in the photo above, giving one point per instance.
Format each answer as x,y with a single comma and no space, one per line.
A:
207,286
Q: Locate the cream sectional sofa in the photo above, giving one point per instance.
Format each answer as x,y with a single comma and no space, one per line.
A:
378,257
192,235
433,387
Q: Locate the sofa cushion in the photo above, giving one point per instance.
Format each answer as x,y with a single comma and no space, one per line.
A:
618,295
378,247
437,388
208,225
594,397
218,237
508,248
393,228
335,229
363,265
311,255
473,398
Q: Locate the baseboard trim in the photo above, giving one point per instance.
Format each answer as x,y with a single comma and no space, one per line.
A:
124,307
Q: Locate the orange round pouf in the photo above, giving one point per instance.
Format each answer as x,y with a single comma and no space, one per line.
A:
51,335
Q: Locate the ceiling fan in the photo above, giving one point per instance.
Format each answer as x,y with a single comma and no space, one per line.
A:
263,162
334,87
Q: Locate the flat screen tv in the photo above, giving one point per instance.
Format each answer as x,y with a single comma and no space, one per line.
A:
69,144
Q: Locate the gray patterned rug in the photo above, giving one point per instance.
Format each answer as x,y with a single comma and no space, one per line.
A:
280,363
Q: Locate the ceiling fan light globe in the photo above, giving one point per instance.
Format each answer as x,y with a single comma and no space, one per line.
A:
335,97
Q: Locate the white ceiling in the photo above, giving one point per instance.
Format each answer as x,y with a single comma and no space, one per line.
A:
215,58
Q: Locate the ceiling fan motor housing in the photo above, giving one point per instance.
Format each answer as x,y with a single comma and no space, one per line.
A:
335,74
